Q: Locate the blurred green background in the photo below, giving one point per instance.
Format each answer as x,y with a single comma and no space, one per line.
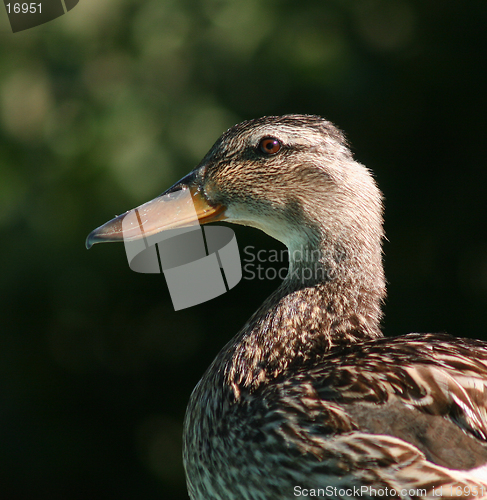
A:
105,107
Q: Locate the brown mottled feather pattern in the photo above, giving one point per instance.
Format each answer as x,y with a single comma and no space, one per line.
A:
309,394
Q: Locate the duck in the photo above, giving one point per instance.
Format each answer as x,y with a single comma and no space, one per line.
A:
309,398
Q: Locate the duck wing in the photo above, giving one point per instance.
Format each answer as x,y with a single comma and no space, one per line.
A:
389,467
407,413
430,390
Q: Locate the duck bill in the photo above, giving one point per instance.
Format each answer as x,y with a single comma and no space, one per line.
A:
182,205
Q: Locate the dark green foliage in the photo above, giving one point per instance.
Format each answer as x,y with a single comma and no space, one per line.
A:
108,105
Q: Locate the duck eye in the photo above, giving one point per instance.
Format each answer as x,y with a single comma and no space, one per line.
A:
269,145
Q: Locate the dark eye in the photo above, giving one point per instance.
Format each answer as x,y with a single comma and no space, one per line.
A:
269,145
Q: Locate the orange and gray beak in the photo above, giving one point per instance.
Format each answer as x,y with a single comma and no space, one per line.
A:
181,205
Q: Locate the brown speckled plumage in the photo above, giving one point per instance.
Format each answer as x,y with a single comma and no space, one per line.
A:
309,394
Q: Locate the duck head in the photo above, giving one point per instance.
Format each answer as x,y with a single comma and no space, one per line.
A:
291,176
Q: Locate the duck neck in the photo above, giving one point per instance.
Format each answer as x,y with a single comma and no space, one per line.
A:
331,298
